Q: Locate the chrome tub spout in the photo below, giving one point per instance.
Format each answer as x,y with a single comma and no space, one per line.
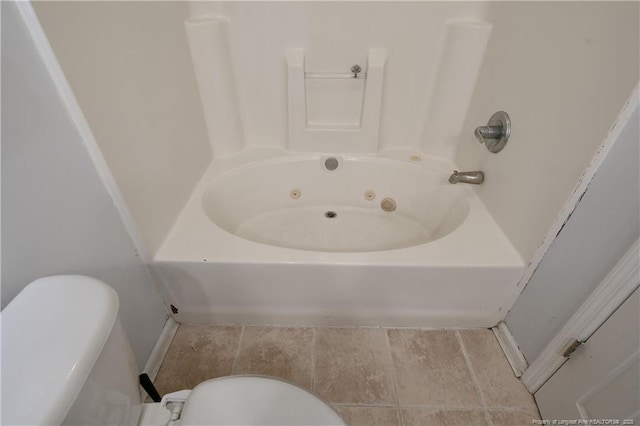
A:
475,177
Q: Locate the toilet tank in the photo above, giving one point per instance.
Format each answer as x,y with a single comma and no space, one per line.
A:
65,357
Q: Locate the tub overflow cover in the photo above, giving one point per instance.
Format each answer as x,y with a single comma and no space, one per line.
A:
331,163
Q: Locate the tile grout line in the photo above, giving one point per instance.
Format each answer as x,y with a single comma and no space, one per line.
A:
353,404
305,325
431,407
507,408
394,376
476,382
235,359
313,358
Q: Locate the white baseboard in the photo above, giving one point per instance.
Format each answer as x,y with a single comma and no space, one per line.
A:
160,349
510,348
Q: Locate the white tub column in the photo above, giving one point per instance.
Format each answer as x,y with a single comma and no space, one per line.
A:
460,57
208,43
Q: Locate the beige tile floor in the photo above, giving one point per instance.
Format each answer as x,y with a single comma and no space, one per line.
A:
371,376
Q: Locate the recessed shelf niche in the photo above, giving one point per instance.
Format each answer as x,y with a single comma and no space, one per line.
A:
336,112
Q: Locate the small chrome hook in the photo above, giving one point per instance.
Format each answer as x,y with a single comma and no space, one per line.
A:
356,70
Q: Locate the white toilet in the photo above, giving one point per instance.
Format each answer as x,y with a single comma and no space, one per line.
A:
66,360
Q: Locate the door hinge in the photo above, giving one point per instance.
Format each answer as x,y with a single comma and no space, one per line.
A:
571,348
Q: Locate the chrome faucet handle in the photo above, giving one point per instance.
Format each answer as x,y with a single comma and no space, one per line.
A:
495,134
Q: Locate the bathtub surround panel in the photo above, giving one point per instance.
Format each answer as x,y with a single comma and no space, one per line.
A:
461,53
335,36
334,100
208,8
128,65
563,85
335,111
209,47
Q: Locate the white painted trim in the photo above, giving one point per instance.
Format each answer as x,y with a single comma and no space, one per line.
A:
581,186
616,287
510,348
159,351
75,112
160,348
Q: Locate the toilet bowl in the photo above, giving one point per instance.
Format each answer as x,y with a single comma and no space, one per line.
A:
66,360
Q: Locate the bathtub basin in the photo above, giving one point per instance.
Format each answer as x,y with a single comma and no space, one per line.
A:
363,205
280,239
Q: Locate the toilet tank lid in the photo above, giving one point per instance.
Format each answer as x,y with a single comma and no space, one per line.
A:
52,334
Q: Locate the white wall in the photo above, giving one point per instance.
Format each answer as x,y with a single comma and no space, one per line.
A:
562,70
128,64
57,216
599,232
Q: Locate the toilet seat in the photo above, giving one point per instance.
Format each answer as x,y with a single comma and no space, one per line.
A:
255,400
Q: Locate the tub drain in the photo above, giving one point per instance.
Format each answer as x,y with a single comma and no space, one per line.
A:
330,214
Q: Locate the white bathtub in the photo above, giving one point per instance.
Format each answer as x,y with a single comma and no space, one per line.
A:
254,245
